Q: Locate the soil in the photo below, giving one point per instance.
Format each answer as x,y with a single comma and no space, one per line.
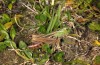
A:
8,57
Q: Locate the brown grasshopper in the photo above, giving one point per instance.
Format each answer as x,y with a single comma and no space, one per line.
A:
38,40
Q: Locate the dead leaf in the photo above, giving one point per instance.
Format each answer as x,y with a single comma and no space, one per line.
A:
69,2
96,9
8,25
80,20
97,43
18,16
1,37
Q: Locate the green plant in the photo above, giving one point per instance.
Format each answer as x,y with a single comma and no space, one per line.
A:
94,26
59,56
48,17
5,27
7,35
97,60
